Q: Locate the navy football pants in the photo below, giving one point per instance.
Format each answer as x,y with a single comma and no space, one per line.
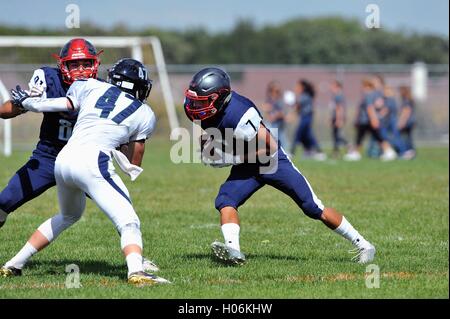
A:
245,179
31,180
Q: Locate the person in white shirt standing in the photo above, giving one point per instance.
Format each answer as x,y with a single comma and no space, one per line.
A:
110,114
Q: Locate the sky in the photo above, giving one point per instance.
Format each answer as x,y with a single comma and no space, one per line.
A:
423,16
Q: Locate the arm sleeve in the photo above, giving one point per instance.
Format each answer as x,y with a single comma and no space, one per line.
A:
38,84
38,104
77,93
248,125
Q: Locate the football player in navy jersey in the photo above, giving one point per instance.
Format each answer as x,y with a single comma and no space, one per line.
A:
210,102
78,59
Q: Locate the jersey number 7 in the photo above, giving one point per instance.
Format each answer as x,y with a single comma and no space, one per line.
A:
107,103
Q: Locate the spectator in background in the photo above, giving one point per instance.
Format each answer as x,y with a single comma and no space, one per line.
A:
275,112
374,150
304,135
407,121
338,113
367,121
387,114
391,117
392,130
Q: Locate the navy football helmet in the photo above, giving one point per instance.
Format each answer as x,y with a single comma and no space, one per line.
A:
209,92
132,77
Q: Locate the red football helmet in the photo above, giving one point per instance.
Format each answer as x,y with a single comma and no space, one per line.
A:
78,49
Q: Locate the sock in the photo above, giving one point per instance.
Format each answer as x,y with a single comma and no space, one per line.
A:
19,260
347,231
230,233
134,263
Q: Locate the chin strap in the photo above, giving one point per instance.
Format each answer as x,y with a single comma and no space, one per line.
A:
227,99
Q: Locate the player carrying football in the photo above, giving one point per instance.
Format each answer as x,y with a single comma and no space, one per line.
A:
210,100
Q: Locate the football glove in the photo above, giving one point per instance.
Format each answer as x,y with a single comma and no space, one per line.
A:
18,97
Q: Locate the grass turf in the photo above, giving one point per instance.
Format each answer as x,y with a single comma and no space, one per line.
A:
402,207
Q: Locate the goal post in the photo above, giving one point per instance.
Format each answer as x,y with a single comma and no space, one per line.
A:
135,44
7,143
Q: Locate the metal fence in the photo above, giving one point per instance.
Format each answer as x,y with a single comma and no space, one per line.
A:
251,81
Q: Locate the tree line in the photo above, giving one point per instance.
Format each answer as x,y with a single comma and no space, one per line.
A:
329,40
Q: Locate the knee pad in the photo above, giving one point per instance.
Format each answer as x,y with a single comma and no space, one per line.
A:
69,220
130,234
312,210
52,227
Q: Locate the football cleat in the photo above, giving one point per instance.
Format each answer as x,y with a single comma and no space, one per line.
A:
149,266
363,254
141,278
227,254
10,272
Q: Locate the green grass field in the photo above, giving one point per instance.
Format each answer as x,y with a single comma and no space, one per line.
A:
402,207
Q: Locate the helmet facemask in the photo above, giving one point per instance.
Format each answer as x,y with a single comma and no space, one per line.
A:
80,69
203,107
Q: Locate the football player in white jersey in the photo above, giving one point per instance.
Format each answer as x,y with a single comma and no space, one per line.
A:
78,59
109,115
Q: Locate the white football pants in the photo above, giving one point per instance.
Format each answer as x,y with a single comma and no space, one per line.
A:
83,170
